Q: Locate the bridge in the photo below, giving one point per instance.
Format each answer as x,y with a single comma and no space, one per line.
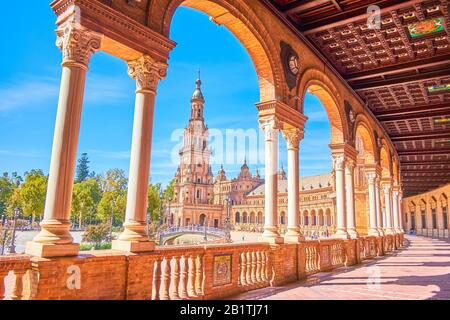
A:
169,235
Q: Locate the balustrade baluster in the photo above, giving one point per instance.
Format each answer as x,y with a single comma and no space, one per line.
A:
174,278
258,267
243,269
3,274
191,277
165,279
156,279
249,269
253,255
17,291
182,291
199,275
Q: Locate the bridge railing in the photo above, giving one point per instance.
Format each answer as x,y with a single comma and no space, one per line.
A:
193,229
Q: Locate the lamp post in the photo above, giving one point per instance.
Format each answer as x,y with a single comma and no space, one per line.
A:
12,249
227,228
205,237
169,216
160,209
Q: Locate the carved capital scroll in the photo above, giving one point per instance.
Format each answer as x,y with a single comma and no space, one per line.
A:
293,137
77,44
147,72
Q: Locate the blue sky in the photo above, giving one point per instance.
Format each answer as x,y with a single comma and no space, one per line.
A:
29,85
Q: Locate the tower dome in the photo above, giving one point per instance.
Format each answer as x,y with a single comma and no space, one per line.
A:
198,95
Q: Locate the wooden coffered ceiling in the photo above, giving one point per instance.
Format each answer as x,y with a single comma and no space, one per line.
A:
392,70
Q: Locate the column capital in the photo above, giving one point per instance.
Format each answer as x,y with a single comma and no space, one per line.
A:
386,187
147,72
344,149
293,137
350,164
77,44
371,177
339,162
271,126
290,118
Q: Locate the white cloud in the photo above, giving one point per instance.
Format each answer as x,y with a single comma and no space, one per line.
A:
23,153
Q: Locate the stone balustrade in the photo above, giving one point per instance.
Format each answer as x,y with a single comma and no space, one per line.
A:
210,271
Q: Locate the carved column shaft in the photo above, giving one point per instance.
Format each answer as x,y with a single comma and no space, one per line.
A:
378,206
341,219
350,198
388,208
271,127
147,72
293,138
77,45
371,178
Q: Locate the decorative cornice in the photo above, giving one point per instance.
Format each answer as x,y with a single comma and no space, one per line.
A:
77,44
147,72
289,117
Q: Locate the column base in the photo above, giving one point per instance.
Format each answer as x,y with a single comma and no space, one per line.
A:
380,232
389,231
272,240
352,233
49,250
374,233
341,234
291,238
133,246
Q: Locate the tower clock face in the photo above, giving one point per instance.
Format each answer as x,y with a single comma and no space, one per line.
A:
293,65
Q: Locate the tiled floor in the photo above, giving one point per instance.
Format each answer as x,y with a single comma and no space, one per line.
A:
421,271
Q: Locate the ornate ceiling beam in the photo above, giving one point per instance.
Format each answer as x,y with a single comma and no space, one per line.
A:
353,15
430,162
420,152
405,79
399,68
415,112
436,134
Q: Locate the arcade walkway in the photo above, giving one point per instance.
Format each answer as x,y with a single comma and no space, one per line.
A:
421,271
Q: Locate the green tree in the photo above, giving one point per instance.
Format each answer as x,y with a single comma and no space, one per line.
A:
154,202
113,202
32,193
14,202
169,191
82,168
97,234
6,189
85,199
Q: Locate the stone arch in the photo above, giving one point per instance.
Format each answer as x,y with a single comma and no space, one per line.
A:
385,161
244,217
317,83
260,218
305,217
320,218
362,130
241,20
252,217
282,218
237,217
328,215
313,221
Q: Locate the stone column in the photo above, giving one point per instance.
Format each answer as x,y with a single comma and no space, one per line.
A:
147,72
341,223
271,127
388,209
395,211
378,207
400,213
293,138
350,198
77,45
371,176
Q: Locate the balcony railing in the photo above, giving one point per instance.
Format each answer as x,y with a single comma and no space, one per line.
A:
210,271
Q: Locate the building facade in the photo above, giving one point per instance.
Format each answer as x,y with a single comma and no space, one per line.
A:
200,198
428,213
